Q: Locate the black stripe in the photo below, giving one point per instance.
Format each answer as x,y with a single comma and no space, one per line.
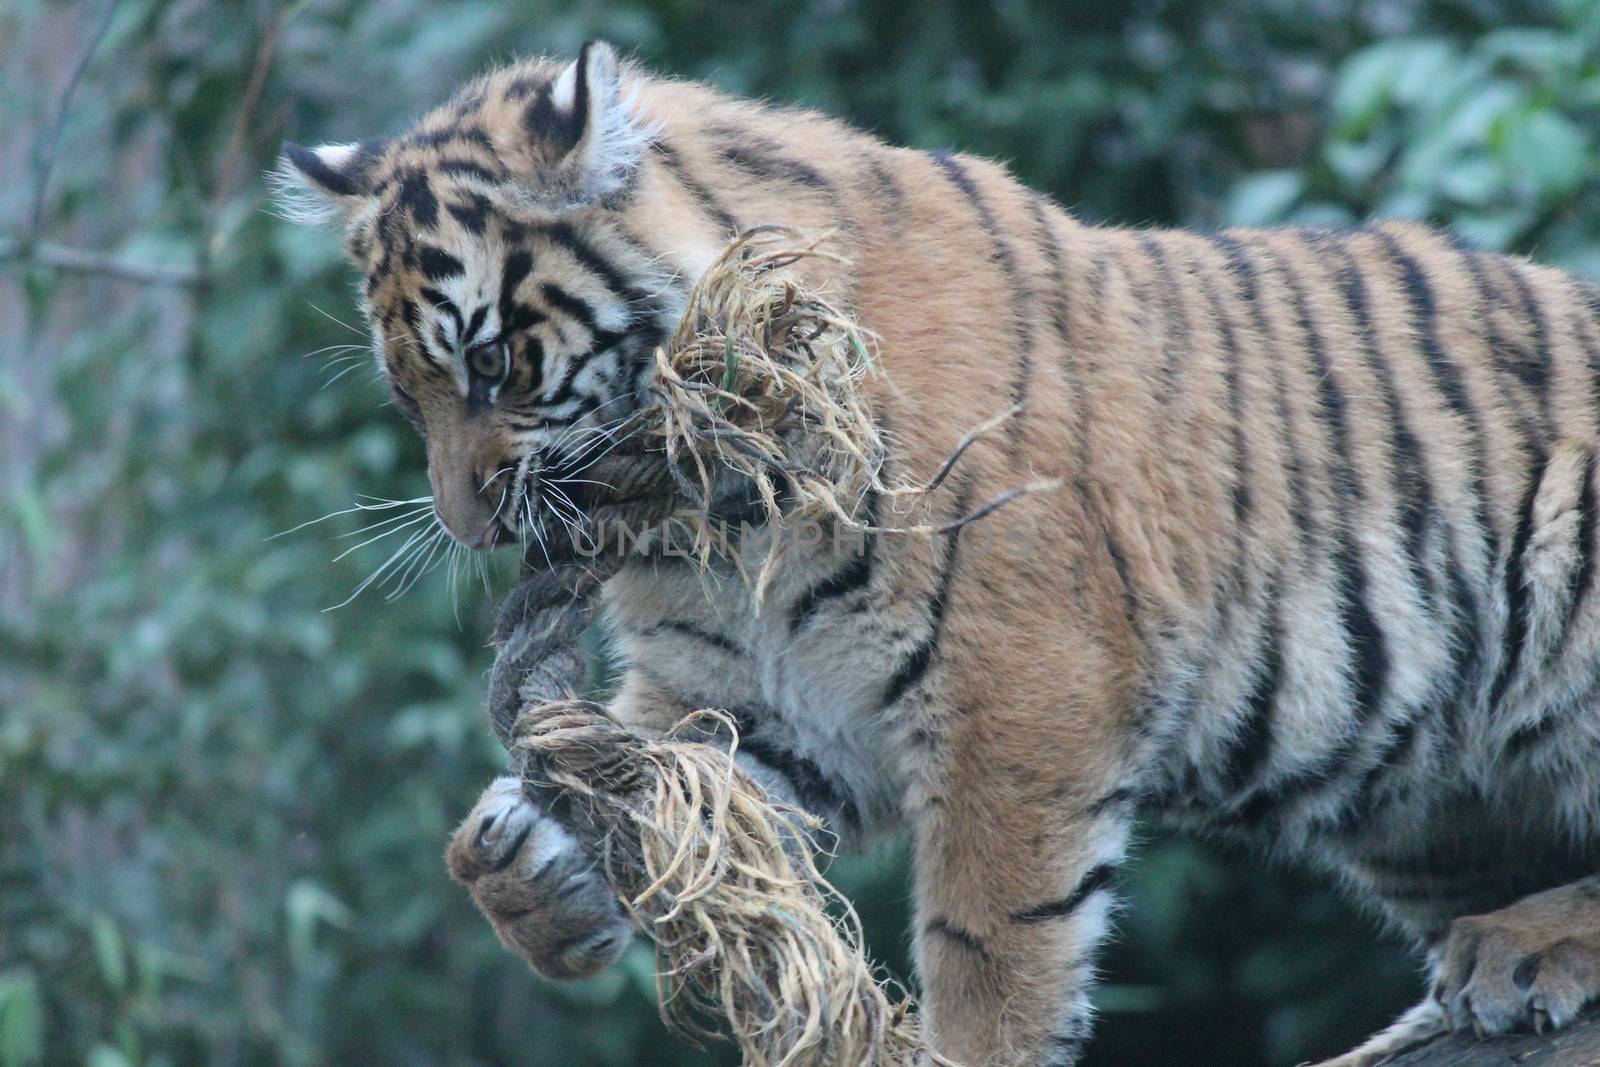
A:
564,236
1523,365
1365,637
965,938
1097,879
1416,498
515,317
413,317
1050,245
1240,495
1283,793
542,120
467,168
1539,374
1583,576
690,630
416,196
697,190
565,388
444,304
470,334
1243,271
915,665
765,160
471,211
437,264
1175,336
1358,806
1414,490
1516,588
511,851
1252,746
1424,314
891,198
437,138
528,351
1529,735
1006,261
522,86
564,301
1469,642
854,575
813,788
816,790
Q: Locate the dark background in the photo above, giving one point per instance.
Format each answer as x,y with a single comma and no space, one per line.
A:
222,808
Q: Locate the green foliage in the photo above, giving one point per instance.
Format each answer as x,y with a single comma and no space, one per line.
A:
222,807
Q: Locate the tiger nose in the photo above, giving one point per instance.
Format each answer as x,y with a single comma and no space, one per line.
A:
489,538
492,486
462,495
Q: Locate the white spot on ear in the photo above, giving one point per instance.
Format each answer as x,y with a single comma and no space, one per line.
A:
336,156
326,184
565,88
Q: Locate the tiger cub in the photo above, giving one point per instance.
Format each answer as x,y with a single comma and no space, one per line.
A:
1319,575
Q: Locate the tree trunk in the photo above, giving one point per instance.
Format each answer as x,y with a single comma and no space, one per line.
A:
1576,1046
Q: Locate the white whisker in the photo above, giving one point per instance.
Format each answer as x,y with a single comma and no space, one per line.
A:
391,520
341,347
376,574
379,537
581,481
441,537
333,318
383,505
342,373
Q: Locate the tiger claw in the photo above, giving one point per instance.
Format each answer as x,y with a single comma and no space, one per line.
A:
1531,966
537,886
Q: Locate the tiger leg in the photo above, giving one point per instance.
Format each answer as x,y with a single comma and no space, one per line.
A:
1009,911
1532,965
542,891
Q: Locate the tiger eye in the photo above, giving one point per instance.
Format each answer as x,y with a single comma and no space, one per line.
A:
487,360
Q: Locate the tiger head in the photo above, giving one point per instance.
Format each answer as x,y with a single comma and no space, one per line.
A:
513,309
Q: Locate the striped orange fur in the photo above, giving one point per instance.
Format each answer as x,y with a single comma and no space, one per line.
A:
1319,575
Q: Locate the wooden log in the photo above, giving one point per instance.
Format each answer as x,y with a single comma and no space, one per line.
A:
1576,1046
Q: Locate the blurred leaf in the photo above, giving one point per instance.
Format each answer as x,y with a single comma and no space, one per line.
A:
1551,150
108,951
1263,199
309,906
21,1019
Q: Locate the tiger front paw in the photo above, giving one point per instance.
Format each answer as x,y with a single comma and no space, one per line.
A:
1534,965
539,889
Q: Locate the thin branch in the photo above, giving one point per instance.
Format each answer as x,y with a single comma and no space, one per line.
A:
108,264
44,153
227,171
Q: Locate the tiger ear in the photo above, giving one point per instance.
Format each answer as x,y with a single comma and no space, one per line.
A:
586,140
327,183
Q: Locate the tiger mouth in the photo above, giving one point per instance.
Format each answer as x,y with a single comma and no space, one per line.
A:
618,500
573,513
